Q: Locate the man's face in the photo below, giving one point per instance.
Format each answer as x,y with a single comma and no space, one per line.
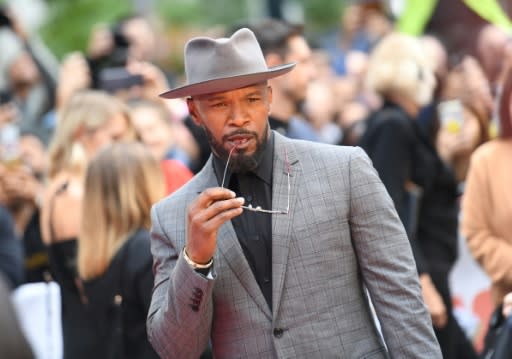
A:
235,119
294,84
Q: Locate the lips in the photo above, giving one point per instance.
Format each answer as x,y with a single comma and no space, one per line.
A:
239,141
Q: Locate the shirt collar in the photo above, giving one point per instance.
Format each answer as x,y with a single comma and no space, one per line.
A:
263,171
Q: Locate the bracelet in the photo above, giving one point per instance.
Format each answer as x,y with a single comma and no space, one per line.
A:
194,264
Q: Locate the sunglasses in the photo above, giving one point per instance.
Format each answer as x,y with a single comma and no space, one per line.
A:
252,208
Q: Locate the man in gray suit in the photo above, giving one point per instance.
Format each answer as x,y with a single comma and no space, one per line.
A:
272,250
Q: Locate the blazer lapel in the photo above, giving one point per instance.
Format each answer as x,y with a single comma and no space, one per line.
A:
285,161
229,247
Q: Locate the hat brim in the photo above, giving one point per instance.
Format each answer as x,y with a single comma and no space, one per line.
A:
227,83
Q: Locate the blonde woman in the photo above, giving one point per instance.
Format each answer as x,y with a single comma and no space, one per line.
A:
89,121
114,258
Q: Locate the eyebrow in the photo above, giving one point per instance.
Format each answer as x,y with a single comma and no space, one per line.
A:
255,92
215,98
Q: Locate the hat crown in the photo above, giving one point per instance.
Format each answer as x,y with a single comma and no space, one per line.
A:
209,59
217,65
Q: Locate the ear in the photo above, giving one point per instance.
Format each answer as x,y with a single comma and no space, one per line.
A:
192,110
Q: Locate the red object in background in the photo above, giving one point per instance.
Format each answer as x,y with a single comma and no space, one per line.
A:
175,174
483,308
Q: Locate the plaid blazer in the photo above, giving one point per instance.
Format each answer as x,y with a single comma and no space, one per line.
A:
342,234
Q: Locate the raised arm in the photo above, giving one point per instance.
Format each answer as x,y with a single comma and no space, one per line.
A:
181,311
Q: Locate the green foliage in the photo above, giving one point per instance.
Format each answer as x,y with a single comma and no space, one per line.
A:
322,15
70,22
202,13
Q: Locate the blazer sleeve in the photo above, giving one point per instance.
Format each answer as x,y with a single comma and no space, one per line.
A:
181,310
387,265
490,250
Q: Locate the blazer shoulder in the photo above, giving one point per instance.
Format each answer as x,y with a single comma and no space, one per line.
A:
317,150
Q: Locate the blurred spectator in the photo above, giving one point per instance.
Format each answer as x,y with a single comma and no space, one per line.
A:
351,110
114,260
11,251
21,175
320,109
498,340
408,165
29,71
465,83
284,43
152,123
490,46
13,343
89,121
361,27
141,37
486,213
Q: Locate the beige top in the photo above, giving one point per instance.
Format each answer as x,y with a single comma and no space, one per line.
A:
487,213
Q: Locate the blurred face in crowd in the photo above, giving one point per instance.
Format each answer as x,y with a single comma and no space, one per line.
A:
294,84
236,118
114,130
142,39
153,131
23,71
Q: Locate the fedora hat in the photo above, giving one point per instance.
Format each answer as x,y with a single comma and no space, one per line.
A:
217,65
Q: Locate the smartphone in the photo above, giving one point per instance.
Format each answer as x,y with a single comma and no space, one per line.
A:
451,115
4,19
9,145
112,79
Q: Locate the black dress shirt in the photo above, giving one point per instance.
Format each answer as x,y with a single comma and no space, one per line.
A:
254,229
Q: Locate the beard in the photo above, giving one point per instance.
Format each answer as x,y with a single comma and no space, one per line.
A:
240,162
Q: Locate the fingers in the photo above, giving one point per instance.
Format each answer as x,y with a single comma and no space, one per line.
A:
439,318
433,301
205,215
215,206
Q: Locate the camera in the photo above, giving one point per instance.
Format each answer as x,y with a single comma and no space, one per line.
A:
108,72
5,21
5,97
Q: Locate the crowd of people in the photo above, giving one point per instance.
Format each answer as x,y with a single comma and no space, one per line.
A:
89,144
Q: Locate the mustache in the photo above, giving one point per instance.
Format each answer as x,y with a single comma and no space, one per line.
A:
239,132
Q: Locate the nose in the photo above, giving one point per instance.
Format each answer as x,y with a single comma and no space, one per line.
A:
238,114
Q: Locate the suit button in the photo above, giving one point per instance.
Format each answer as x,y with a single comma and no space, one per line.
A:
278,332
195,308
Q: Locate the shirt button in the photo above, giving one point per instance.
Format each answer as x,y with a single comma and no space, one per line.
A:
278,332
